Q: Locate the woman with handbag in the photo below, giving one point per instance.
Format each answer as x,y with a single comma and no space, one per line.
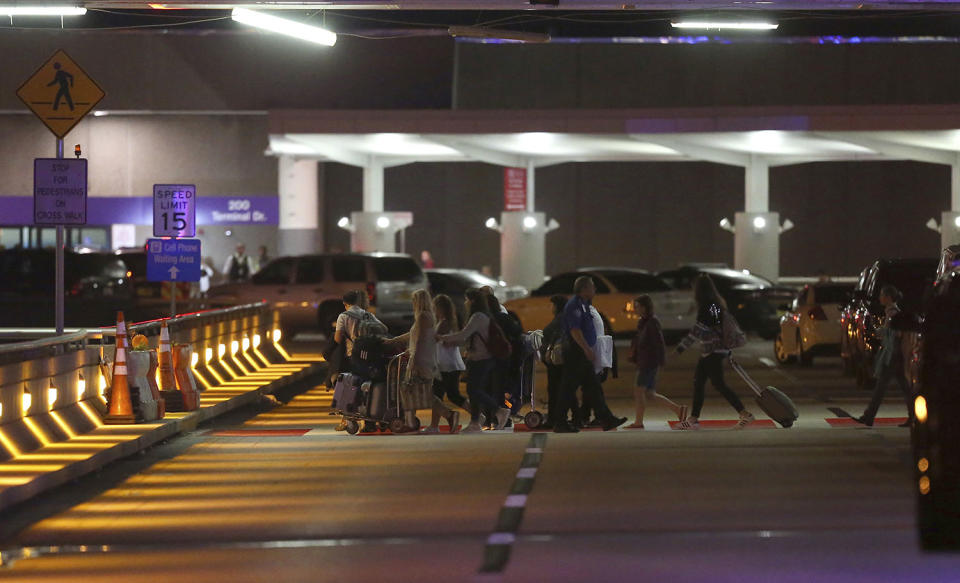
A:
416,389
480,362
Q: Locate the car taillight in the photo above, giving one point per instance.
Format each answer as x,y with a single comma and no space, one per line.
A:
817,313
372,293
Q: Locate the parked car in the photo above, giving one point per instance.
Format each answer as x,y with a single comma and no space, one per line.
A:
616,289
757,303
307,289
936,433
863,315
96,285
811,326
455,283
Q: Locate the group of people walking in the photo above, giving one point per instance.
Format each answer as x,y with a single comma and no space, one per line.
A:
576,349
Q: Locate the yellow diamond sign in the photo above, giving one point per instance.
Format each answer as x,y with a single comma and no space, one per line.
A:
60,93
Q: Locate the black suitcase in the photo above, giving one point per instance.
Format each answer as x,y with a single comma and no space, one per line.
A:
777,405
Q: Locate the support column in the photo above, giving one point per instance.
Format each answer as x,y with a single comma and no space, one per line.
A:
531,186
522,248
757,231
373,188
298,231
950,220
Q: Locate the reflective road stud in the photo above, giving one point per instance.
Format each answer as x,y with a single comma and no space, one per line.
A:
121,408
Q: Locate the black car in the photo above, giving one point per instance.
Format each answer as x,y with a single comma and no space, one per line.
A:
936,432
96,285
757,303
860,319
456,282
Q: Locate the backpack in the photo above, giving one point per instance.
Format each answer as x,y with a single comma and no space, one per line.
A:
368,325
369,357
731,334
497,344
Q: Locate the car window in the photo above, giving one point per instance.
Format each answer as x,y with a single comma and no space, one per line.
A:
441,283
310,270
277,272
677,279
559,284
635,283
832,294
602,287
396,269
352,269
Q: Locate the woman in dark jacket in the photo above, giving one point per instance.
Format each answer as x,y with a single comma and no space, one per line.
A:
552,334
709,332
648,351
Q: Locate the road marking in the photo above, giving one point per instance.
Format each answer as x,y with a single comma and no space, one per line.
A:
496,553
767,361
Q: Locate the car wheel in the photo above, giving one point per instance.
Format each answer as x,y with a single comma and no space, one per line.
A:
780,352
806,359
327,316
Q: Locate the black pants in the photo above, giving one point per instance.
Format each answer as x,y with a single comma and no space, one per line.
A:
449,384
711,367
578,372
554,377
888,374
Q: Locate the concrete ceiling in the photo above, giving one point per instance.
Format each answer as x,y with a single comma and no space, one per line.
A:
618,5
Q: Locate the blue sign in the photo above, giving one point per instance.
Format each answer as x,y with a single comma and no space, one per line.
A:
173,260
174,210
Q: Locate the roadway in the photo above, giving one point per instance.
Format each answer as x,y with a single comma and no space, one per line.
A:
277,495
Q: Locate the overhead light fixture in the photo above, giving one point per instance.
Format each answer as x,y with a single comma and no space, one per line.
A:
493,225
726,225
345,224
726,25
933,225
529,223
759,223
42,11
306,32
383,222
482,32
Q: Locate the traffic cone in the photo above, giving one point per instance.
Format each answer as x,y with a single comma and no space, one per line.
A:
167,380
121,407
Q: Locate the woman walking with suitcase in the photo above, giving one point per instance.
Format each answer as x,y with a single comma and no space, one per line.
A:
708,331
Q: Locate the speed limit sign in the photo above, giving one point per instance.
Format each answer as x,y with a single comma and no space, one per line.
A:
174,210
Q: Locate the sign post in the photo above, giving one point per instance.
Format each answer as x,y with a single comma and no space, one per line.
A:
173,260
60,82
174,215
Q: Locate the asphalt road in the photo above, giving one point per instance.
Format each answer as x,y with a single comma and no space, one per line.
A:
236,501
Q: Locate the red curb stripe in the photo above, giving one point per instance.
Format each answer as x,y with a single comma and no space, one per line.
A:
259,433
730,423
878,422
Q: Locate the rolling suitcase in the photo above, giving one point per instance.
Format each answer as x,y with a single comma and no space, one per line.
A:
346,394
771,400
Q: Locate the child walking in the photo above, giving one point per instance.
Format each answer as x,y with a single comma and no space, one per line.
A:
647,351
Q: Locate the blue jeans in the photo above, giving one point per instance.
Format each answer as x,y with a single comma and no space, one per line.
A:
479,373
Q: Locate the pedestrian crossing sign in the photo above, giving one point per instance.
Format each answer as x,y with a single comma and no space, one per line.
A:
60,93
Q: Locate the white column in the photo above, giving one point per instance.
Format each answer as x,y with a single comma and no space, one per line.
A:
373,187
522,248
955,185
531,186
756,244
298,231
757,185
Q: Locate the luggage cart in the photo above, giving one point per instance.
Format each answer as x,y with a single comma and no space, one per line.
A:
379,401
528,376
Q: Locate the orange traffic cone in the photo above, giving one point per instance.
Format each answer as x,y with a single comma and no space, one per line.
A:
167,380
121,407
189,398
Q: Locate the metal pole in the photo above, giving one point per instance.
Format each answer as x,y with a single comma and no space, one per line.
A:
58,269
173,299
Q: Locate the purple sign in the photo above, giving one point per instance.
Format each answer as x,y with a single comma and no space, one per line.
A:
174,210
59,191
108,210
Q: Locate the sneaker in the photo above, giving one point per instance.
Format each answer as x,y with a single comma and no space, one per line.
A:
474,427
863,420
613,423
746,418
503,414
595,423
431,429
687,425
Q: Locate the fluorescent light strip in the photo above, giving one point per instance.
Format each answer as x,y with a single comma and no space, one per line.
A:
42,11
283,26
720,25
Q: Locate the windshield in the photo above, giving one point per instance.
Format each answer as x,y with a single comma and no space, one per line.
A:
832,293
736,278
635,283
397,269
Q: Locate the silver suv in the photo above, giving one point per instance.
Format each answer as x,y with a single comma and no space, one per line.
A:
307,289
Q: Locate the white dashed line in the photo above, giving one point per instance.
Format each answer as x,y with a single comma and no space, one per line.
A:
515,501
526,473
768,362
501,538
534,450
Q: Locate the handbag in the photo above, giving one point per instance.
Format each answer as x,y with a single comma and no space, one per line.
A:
416,393
555,353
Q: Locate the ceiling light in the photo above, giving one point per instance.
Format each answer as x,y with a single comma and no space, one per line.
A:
383,222
313,34
482,32
42,11
529,222
728,25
